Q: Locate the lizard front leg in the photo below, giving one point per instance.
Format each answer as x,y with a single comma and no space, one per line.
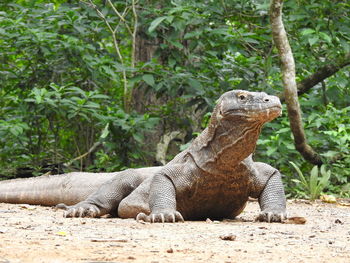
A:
162,201
107,198
268,187
272,200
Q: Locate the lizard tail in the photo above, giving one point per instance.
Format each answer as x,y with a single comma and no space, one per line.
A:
51,190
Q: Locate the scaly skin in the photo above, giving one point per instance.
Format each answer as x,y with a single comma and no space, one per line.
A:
50,190
213,178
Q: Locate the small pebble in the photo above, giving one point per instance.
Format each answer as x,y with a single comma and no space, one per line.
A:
338,221
229,237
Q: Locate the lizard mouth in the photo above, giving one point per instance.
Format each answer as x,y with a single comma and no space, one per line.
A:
275,109
263,114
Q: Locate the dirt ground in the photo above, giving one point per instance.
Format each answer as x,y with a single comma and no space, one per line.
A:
41,234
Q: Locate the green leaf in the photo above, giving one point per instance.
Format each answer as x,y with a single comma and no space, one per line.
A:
313,182
176,44
197,86
16,130
283,130
156,22
325,37
170,19
345,45
301,176
192,34
108,71
138,137
270,151
105,131
92,105
99,96
330,154
325,176
171,62
251,40
307,31
149,79
77,90
313,40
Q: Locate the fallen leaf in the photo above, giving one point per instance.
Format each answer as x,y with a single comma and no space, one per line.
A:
229,237
344,201
62,233
108,240
297,220
29,207
328,199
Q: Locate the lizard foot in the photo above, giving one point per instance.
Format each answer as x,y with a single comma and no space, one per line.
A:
271,216
162,217
80,210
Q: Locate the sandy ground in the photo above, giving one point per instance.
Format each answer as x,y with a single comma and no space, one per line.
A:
41,234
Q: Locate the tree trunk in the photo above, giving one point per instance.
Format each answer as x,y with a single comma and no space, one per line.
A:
145,98
144,52
290,87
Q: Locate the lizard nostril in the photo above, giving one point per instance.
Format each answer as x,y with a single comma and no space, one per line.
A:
266,99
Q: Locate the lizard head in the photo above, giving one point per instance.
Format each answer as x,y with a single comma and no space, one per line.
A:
234,129
248,106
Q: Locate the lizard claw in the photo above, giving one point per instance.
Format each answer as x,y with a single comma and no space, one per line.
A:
70,212
82,210
92,212
141,217
165,217
61,206
271,216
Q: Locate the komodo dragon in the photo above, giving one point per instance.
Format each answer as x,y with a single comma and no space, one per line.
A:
213,178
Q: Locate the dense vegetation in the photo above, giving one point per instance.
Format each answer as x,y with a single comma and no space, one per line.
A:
84,85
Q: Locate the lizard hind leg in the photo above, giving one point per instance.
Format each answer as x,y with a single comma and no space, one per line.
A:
82,209
136,202
106,199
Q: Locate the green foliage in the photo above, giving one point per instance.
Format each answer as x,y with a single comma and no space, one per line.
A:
60,122
60,87
313,185
331,135
43,44
328,131
200,54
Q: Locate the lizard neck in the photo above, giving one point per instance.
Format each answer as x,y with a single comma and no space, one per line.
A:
224,149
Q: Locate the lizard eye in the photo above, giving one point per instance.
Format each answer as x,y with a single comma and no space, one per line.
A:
242,96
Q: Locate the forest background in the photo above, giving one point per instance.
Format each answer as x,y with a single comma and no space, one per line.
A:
105,85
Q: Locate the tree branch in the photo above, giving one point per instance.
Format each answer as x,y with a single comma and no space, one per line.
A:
127,96
290,86
121,16
91,150
134,33
321,74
